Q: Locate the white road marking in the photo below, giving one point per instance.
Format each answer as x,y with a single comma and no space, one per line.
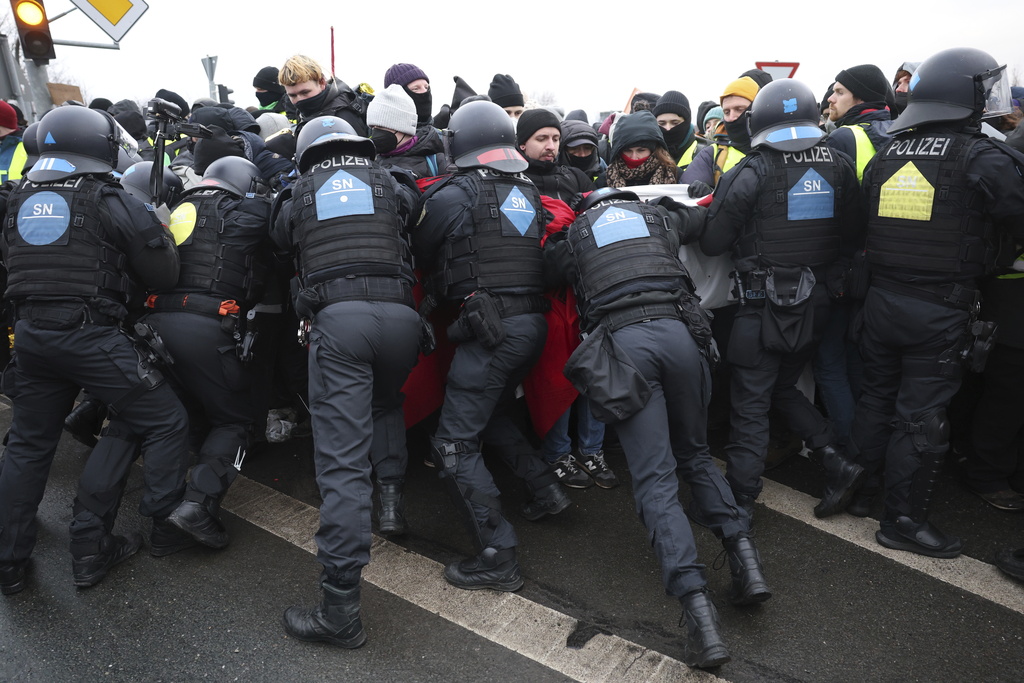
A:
510,620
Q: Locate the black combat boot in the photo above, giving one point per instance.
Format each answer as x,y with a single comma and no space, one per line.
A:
922,538
86,420
88,570
548,500
12,576
493,568
704,646
748,583
335,620
863,501
392,509
842,477
167,539
196,520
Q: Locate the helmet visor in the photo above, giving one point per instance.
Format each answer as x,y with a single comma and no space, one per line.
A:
995,86
125,140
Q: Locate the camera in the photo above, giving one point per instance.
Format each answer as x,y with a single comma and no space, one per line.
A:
163,110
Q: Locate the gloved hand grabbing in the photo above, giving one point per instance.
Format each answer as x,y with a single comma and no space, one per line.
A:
698,188
208,150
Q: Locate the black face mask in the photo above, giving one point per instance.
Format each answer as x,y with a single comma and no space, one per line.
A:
423,105
312,105
738,134
678,136
383,140
267,98
902,100
582,163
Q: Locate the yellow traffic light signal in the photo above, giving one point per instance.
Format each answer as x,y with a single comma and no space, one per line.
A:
33,30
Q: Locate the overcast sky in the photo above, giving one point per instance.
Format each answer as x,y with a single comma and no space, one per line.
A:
586,55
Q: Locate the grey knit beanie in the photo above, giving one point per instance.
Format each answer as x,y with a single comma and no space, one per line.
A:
392,109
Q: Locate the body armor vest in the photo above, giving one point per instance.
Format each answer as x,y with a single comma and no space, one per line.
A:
923,216
347,223
796,217
502,253
619,249
56,244
210,264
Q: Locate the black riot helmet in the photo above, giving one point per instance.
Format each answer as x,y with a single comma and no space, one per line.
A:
237,175
333,131
604,194
135,180
31,143
483,135
958,84
78,140
125,160
784,116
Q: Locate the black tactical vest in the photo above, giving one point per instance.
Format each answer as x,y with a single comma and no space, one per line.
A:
56,243
796,220
923,216
502,251
347,223
211,262
619,249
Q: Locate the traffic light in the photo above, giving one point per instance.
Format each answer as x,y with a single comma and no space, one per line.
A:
34,30
223,91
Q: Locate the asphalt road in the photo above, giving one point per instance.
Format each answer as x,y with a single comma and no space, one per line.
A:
592,608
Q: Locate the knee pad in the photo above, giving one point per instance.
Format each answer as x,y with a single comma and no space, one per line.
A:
932,433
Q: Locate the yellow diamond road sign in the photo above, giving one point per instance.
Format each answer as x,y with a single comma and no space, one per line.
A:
115,17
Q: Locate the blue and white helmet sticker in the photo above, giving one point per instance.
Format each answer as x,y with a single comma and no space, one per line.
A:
812,197
343,195
44,218
617,224
518,210
54,164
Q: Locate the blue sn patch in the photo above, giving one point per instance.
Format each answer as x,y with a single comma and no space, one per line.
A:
49,139
789,106
43,218
617,225
810,198
343,195
518,210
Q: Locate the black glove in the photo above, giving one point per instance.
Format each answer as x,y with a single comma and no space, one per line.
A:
208,150
557,236
282,143
698,188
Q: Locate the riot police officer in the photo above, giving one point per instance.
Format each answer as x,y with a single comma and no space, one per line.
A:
76,246
479,239
787,212
621,256
221,227
345,218
941,199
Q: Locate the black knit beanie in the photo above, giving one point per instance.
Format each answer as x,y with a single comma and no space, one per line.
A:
866,82
266,79
505,92
533,120
673,102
